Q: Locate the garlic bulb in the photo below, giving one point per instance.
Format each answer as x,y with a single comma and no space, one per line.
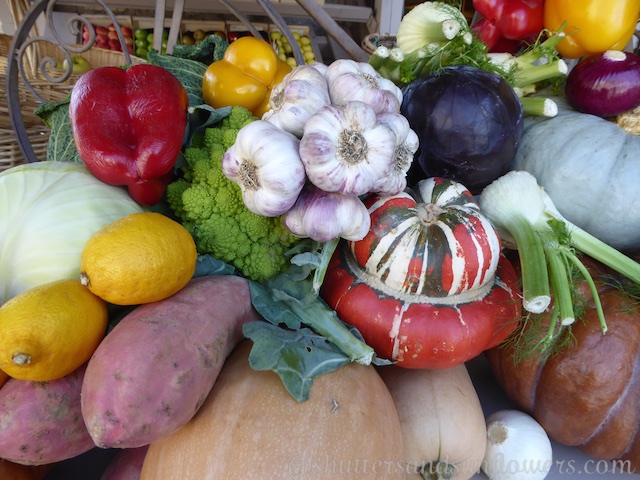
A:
349,80
265,163
407,143
518,448
302,92
324,216
346,150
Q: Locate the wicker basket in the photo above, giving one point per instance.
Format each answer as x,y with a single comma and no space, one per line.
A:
374,40
10,153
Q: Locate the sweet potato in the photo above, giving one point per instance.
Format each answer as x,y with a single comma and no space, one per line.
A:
126,464
41,422
153,371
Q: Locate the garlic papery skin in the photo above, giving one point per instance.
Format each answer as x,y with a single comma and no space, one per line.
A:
518,448
324,216
407,144
265,163
349,80
346,150
302,92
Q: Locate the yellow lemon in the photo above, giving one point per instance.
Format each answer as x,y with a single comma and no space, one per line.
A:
49,331
141,258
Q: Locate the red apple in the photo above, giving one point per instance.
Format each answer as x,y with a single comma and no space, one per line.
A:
102,38
101,30
128,41
115,45
111,27
112,35
127,32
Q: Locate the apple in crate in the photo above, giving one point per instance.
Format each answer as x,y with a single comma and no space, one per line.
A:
79,65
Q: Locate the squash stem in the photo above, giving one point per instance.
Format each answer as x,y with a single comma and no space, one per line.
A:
438,471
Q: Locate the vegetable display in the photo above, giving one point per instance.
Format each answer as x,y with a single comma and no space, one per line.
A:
469,123
293,264
62,199
118,138
427,287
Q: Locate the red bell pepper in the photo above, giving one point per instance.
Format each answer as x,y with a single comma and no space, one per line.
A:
506,23
128,127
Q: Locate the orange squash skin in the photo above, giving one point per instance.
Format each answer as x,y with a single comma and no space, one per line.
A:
250,427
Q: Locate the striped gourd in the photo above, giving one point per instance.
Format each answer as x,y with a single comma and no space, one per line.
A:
428,286
435,243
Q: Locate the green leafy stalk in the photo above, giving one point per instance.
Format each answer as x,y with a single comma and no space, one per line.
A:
544,107
515,199
289,299
560,285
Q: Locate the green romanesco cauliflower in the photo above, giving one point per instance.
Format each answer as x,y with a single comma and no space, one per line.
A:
210,206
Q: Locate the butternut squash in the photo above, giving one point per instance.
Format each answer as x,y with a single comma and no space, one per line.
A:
250,427
442,421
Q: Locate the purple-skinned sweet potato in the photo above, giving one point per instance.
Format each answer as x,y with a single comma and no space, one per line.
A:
41,422
153,371
126,464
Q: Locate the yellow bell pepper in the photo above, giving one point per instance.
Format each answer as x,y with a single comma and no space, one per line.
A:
246,74
593,26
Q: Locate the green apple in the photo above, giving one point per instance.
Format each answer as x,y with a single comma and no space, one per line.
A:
140,34
79,65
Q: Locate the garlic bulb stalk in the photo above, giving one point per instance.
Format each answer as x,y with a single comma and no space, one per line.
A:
518,448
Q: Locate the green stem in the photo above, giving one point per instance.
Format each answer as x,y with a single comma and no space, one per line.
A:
538,51
535,277
539,106
325,257
379,57
536,73
606,254
560,284
324,321
592,287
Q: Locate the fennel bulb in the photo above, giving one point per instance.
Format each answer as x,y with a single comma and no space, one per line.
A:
48,210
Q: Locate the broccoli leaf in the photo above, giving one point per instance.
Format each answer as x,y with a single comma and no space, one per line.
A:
61,146
296,356
296,353
200,118
189,72
208,265
209,50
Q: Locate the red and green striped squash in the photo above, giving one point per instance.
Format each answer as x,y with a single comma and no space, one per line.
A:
428,286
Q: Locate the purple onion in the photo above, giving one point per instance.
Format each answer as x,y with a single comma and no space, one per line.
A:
605,84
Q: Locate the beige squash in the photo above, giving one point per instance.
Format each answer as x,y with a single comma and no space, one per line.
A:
250,427
443,424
